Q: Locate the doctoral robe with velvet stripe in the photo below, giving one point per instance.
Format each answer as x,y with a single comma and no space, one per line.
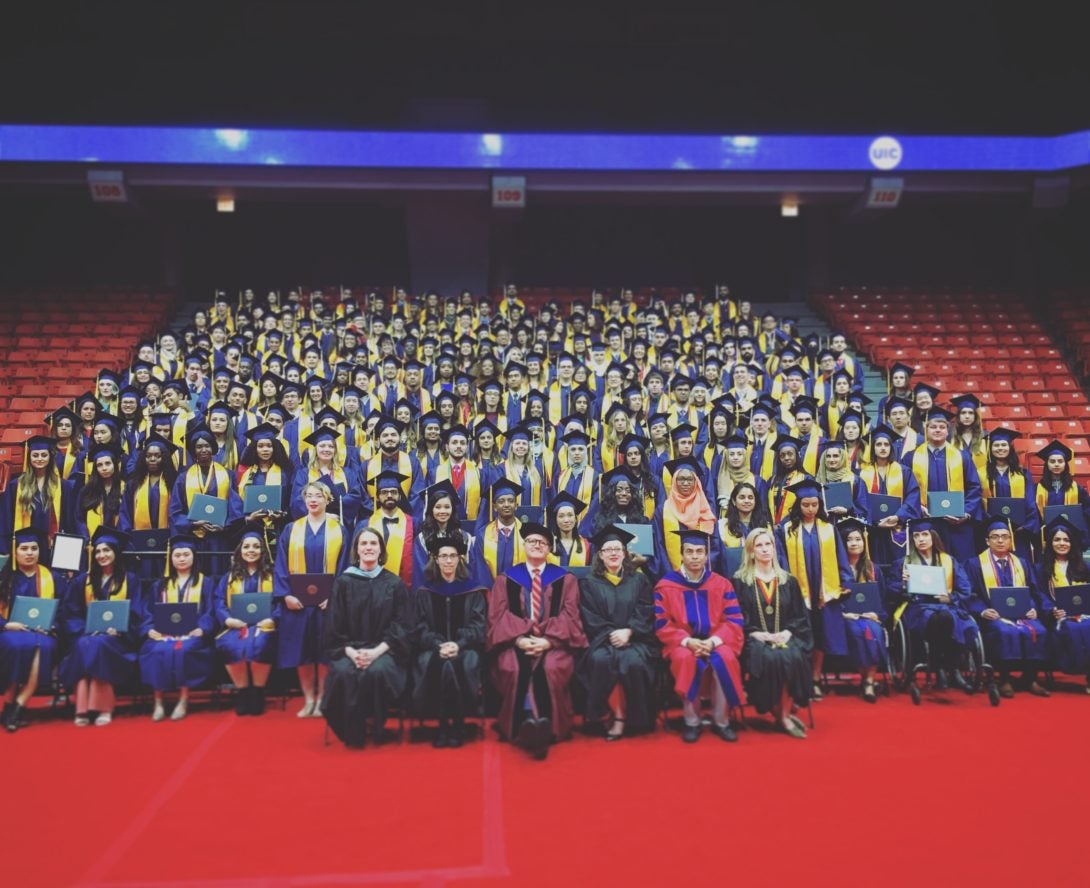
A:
702,609
513,672
769,670
449,612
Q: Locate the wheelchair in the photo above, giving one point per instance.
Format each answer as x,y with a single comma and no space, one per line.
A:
974,665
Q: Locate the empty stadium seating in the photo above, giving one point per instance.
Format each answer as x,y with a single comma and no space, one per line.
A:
53,343
990,344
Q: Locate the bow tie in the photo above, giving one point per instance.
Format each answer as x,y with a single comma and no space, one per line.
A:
386,520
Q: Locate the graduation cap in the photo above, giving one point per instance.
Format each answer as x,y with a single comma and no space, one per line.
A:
565,499
787,441
883,431
633,440
849,525
804,405
322,433
807,487
1061,523
99,450
796,370
1000,433
523,430
824,354
852,416
62,413
289,386
447,540
387,479
843,373
692,537
921,525
763,408
505,487
857,397
440,489
534,528
445,396
620,473
512,367
198,433
685,462
1052,448
737,441
832,444
898,367
31,534
680,380
278,411
111,536
609,533
684,430
998,523
388,422
391,359
220,407
576,436
924,387
183,541
484,425
965,402
936,413
616,408
154,439
899,401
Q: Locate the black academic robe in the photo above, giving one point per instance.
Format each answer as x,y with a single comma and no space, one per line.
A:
769,669
449,612
604,608
363,612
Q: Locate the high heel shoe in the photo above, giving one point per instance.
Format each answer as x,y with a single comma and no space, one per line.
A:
614,737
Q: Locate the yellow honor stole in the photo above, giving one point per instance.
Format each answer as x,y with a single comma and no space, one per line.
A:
404,467
895,479
491,545
142,505
236,584
334,540
470,493
192,594
1071,496
273,478
586,484
395,542
990,571
194,485
89,592
955,471
576,558
830,567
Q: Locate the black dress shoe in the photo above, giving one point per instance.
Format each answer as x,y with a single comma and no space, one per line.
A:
690,733
440,740
257,701
242,701
454,737
725,732
870,694
959,682
535,735
13,719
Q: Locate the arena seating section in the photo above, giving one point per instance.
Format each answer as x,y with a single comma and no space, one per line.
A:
985,343
52,345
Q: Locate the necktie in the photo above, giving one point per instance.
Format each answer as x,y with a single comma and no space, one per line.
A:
506,531
457,475
535,596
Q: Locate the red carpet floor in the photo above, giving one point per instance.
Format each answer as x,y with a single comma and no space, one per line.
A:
949,792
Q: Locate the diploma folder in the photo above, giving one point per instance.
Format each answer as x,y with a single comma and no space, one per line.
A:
1073,600
67,552
1009,507
838,495
732,559
311,589
1072,513
149,542
174,619
33,612
862,598
262,497
926,579
946,504
644,542
208,508
533,514
103,615
880,506
251,607
1012,602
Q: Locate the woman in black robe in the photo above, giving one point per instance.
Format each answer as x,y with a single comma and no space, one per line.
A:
776,656
617,608
447,668
370,622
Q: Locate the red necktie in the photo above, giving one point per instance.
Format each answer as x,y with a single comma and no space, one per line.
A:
457,475
535,596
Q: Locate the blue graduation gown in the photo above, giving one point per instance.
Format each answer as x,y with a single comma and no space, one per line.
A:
959,539
250,644
17,648
169,664
1005,641
110,658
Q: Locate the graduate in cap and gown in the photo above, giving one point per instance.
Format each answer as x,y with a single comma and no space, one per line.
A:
1005,476
26,655
684,508
368,642
1061,564
265,463
579,479
813,553
326,466
98,663
248,652
617,610
779,639
450,640
317,543
939,466
206,476
499,545
884,475
534,634
37,497
167,662
867,649
1057,487
699,623
569,547
394,523
1014,643
943,622
390,458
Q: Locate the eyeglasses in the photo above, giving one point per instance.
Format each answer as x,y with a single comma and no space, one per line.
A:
536,541
611,550
999,536
447,556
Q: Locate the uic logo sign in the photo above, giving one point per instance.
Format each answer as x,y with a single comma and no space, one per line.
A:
885,153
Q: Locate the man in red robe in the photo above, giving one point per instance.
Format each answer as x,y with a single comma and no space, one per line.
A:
699,622
533,629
